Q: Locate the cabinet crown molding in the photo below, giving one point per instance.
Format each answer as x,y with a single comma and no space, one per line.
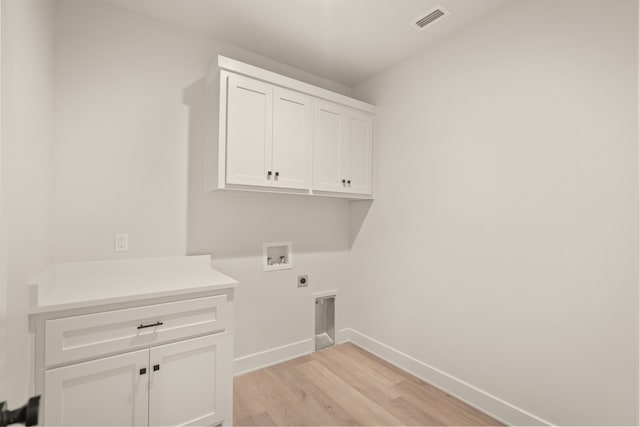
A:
237,67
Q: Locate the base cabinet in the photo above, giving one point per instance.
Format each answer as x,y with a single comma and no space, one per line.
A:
176,384
109,391
163,364
185,387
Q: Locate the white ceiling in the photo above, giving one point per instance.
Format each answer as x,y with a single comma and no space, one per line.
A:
346,41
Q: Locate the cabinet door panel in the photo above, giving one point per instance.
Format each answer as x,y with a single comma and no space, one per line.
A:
360,154
109,391
292,133
249,131
328,150
193,383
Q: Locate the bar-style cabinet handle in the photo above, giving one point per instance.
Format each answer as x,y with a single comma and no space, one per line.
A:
150,325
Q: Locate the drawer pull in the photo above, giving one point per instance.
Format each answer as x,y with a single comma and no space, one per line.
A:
151,325
156,368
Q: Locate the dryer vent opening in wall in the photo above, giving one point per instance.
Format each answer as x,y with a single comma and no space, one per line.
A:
325,327
430,17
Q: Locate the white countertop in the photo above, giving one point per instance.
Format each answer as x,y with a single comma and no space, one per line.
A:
86,284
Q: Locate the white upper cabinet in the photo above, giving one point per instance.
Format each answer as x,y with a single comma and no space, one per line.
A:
328,147
282,135
249,131
292,134
268,135
358,167
342,150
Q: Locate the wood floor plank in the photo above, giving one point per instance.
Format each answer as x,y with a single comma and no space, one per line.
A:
319,407
363,409
411,414
383,368
448,409
247,400
261,419
345,385
364,379
280,403
389,370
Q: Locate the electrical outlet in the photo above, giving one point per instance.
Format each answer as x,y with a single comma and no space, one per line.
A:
122,242
303,281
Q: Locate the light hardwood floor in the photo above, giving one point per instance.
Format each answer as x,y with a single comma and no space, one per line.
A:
344,385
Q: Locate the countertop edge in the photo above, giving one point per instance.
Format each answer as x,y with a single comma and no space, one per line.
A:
40,309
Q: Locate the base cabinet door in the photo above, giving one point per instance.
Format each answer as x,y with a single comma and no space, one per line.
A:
191,383
109,391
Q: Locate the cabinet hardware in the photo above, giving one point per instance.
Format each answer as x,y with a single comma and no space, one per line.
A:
269,175
349,182
151,325
156,368
344,181
143,371
277,174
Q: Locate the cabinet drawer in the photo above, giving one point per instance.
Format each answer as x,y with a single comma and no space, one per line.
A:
95,335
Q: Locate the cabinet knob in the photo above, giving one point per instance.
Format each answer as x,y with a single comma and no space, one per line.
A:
156,368
344,181
143,371
277,174
349,182
269,175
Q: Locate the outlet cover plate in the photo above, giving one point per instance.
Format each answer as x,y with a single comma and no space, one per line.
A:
121,242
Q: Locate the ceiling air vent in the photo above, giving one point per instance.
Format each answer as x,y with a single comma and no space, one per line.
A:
430,17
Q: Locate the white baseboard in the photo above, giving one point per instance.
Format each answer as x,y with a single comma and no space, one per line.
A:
479,399
273,356
344,335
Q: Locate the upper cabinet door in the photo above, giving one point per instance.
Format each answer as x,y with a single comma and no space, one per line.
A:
360,154
292,139
191,383
249,131
342,149
110,391
329,134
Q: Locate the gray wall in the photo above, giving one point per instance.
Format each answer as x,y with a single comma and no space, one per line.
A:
503,244
27,122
